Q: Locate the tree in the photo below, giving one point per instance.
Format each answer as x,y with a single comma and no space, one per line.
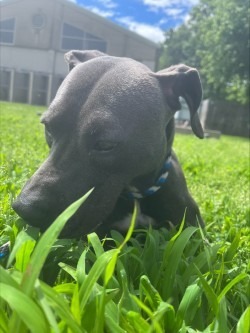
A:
215,40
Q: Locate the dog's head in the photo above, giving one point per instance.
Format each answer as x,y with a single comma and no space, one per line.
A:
106,129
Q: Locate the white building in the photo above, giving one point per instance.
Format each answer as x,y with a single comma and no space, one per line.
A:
35,34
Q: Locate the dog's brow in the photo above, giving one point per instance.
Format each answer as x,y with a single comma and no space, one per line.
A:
44,119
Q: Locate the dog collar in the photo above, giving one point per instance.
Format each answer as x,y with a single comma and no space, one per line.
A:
134,193
4,250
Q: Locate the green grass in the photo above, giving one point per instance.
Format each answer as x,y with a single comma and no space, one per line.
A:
152,281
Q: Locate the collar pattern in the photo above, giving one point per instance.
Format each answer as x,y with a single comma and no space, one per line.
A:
134,193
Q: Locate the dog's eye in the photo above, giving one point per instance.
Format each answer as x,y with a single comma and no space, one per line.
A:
105,146
48,137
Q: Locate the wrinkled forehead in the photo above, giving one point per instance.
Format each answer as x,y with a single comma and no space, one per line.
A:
108,75
104,86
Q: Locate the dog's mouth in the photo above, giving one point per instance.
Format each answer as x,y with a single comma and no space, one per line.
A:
34,216
41,216
44,221
41,213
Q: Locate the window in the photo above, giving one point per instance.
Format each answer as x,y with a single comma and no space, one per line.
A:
7,28
75,38
4,85
40,89
38,20
21,87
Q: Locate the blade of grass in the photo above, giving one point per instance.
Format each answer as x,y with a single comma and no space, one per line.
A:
210,294
137,322
25,308
132,224
42,250
7,279
232,250
45,243
221,320
69,269
75,305
94,240
237,279
155,324
200,261
60,306
126,302
3,321
112,326
111,265
65,288
80,270
164,315
100,313
220,275
150,292
189,304
46,308
21,238
173,260
23,255
168,250
95,272
243,325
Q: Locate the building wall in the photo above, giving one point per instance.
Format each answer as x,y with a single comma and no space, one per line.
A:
223,117
229,118
33,66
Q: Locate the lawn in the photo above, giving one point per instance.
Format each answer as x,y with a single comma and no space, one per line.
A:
184,280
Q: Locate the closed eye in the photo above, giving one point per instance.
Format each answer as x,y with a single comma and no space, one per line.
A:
48,137
105,146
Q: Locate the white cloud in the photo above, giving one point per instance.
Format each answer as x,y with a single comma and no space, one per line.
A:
172,8
187,18
163,21
169,3
174,12
108,3
74,1
98,11
148,31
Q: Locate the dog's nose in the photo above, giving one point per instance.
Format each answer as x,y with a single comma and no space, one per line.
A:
31,212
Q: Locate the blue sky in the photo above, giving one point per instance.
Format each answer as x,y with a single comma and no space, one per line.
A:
149,18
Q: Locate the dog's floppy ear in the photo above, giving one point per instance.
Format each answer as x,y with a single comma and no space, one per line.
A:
183,81
75,57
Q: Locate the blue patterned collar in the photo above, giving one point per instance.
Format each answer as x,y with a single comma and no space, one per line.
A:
4,250
134,193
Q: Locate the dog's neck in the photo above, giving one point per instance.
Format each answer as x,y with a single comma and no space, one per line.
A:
135,193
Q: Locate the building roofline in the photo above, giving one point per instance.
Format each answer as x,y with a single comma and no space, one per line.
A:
95,16
112,24
8,2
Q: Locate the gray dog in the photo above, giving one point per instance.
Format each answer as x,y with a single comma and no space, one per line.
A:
111,127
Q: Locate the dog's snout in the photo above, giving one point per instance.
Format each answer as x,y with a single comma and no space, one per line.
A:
31,211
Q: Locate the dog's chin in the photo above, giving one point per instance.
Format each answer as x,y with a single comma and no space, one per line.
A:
71,232
75,228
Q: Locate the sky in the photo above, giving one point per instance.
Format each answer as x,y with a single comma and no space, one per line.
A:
149,18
